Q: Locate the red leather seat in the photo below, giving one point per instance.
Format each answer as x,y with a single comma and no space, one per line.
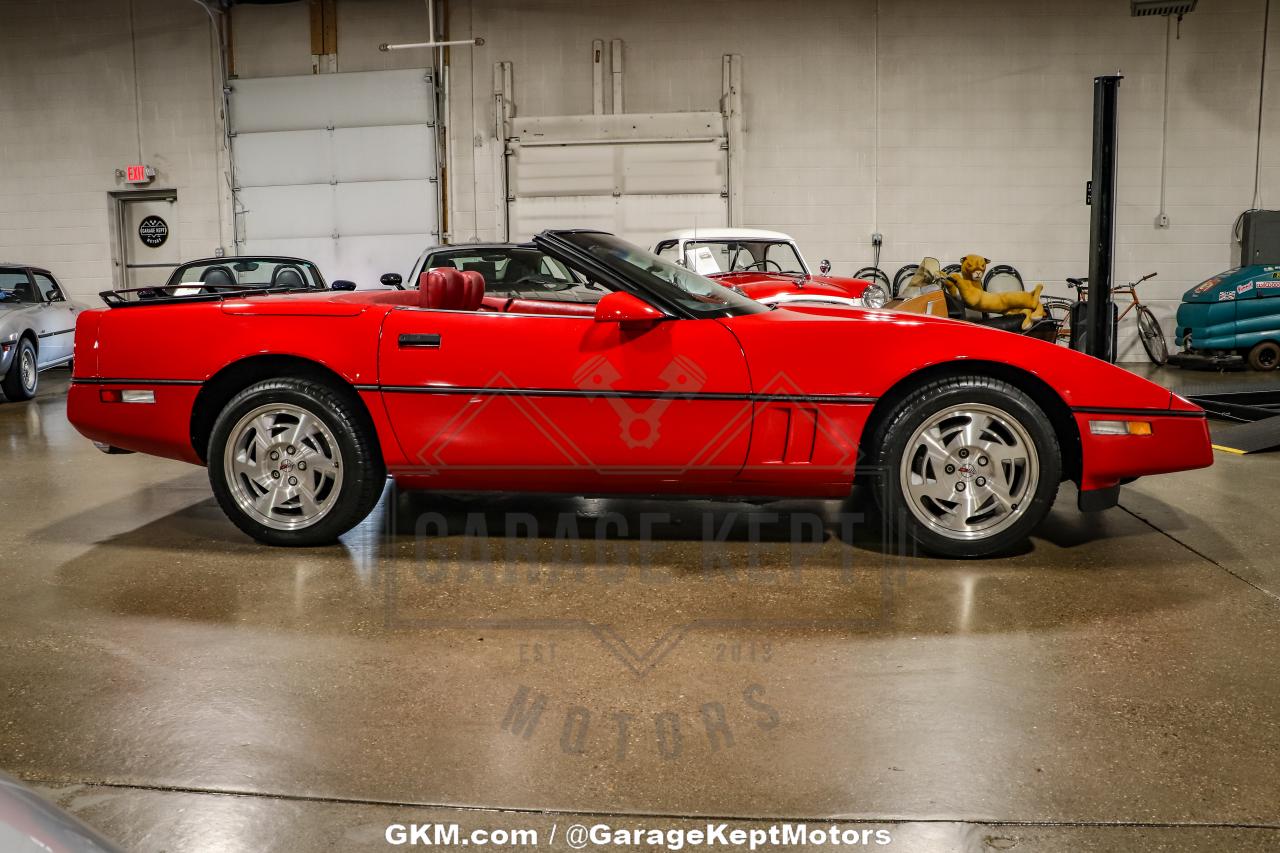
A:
448,289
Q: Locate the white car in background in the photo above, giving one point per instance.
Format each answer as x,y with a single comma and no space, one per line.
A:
766,266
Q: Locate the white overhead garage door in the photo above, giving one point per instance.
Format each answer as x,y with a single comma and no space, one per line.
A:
337,168
634,175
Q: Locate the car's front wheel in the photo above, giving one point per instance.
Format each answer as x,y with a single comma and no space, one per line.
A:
23,378
967,466
293,461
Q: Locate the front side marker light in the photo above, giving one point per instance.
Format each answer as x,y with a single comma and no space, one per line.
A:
1120,427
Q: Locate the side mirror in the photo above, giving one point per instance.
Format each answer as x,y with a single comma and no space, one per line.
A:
392,279
824,266
626,310
342,284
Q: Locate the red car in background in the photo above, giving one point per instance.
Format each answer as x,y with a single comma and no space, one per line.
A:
767,266
664,383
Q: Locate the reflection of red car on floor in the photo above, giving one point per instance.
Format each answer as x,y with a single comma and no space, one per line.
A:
300,404
765,265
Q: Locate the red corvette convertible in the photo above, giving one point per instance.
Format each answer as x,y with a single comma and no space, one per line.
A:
301,404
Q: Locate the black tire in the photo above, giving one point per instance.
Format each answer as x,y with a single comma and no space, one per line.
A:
1265,356
889,447
1003,278
901,277
16,387
1152,337
357,455
875,275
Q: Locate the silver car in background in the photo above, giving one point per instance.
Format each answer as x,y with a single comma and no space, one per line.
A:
37,328
31,824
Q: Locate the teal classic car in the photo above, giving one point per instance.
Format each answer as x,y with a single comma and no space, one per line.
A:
1231,319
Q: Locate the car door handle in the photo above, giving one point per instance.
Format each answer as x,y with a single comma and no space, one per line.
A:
420,342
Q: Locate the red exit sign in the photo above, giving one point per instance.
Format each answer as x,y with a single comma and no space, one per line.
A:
138,174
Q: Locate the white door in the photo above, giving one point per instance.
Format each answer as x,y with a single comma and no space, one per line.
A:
147,232
637,176
339,169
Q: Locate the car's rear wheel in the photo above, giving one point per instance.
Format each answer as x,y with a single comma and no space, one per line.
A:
1265,356
967,466
293,462
23,378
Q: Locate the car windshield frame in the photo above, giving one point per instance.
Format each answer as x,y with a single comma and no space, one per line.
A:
673,288
740,244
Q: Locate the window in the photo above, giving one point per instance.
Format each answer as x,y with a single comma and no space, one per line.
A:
48,288
699,296
709,257
250,272
15,286
514,270
782,256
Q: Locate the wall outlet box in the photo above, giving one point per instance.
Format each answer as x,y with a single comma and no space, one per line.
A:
1162,220
877,239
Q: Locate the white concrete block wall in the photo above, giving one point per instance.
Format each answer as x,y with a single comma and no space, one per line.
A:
949,127
87,87
1001,140
808,96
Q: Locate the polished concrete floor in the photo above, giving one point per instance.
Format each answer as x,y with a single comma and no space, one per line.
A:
1116,686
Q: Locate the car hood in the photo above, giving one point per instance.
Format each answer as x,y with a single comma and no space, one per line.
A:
904,343
1238,283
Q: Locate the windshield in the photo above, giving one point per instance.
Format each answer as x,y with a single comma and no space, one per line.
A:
700,296
517,270
265,272
16,287
709,257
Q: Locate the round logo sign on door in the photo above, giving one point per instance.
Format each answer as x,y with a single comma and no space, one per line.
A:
153,231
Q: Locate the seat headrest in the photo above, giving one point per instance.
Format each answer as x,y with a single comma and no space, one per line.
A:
487,269
451,290
288,276
218,277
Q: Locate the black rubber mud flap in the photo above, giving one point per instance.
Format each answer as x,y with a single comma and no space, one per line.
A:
1096,500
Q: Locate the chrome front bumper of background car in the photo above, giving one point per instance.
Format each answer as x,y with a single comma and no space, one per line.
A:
798,299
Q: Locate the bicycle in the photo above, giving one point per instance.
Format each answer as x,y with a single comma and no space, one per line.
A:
1149,332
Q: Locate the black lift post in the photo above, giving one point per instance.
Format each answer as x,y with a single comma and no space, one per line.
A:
1099,322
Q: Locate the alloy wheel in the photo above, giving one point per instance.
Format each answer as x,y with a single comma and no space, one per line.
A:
28,368
969,472
283,466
